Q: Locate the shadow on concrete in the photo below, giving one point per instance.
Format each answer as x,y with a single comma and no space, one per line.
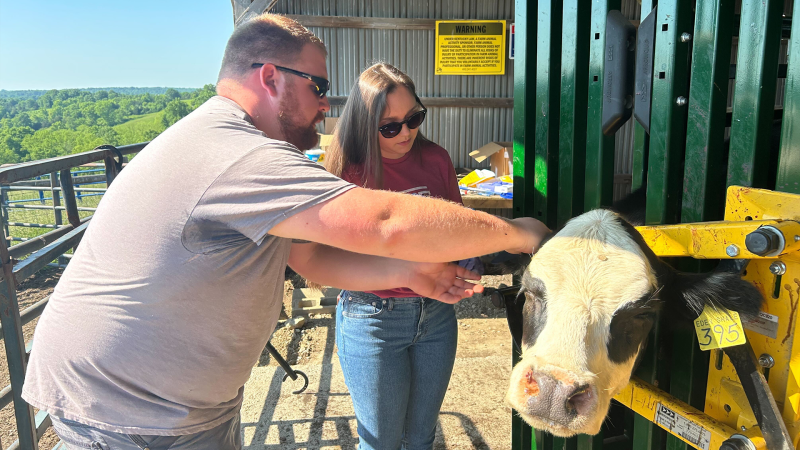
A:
344,439
469,428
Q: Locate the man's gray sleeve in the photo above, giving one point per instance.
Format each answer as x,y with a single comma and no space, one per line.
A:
266,186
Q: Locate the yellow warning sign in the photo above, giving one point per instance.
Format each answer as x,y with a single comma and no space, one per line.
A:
470,47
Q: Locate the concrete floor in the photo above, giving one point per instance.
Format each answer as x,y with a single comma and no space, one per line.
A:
473,415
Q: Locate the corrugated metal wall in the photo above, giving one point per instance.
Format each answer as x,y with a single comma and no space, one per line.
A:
459,130
403,9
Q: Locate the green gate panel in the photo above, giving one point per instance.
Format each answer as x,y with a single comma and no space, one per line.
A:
647,435
572,127
524,101
789,161
665,174
704,192
548,89
641,145
668,121
703,184
569,165
754,94
599,187
586,442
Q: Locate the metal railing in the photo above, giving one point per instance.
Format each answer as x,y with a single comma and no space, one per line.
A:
52,185
20,261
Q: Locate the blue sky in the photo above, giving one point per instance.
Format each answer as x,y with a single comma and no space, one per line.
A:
48,44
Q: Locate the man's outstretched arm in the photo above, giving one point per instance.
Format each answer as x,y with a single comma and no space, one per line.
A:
409,227
353,271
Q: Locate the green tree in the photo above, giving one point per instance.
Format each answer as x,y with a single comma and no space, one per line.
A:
49,143
172,94
43,124
11,150
200,96
175,111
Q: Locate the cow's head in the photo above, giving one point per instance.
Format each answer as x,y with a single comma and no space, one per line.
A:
588,301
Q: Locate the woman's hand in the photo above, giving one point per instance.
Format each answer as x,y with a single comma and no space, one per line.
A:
445,282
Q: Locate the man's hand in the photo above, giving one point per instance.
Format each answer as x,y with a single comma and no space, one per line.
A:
533,231
445,282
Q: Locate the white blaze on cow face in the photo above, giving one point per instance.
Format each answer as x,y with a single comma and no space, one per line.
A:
574,361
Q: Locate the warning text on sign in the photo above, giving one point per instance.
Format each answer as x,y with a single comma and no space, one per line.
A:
470,47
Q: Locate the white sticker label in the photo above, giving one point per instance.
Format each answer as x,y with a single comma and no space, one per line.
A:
683,427
765,324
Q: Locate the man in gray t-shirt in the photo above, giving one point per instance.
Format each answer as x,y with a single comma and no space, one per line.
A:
177,284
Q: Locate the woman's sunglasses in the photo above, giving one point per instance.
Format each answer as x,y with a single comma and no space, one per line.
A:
322,84
391,130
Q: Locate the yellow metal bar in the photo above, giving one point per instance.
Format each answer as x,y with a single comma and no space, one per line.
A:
760,204
713,240
772,335
691,425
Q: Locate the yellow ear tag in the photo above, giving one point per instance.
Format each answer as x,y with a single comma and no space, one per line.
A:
719,328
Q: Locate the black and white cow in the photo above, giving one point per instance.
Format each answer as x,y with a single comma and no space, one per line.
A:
588,301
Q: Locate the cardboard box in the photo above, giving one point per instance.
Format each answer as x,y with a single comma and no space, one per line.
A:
500,155
330,124
325,140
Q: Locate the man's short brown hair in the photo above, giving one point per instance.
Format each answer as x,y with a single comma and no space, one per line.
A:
265,38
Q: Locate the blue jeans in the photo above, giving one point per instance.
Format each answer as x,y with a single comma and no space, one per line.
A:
227,436
397,355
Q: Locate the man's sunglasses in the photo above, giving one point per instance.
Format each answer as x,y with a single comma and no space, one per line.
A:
322,84
391,130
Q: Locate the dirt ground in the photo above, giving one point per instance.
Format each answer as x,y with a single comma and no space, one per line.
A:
473,415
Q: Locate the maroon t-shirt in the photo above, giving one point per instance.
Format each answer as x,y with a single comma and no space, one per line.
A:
427,171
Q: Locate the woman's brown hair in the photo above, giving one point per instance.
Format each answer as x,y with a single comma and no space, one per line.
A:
355,139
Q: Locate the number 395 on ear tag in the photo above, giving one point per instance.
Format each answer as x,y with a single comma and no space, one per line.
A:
719,328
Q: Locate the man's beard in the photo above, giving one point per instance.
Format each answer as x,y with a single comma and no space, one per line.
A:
302,136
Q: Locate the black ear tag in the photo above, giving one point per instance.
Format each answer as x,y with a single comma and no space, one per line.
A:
514,317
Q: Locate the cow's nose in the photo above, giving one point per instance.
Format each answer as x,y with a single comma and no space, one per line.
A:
555,400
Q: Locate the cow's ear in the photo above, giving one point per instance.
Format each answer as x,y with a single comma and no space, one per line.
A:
718,290
632,206
504,263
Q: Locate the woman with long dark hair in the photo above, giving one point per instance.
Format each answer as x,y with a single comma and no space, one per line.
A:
396,348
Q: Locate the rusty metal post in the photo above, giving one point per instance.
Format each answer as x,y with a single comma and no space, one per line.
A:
112,166
4,213
15,351
69,198
56,194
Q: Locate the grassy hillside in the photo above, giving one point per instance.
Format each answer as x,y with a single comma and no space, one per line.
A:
140,128
70,121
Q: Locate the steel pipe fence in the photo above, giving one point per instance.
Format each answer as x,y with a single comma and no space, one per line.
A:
20,261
